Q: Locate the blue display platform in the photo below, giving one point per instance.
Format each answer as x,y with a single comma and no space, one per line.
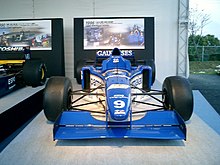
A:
35,145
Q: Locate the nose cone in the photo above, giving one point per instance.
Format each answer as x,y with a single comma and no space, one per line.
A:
118,101
119,115
118,96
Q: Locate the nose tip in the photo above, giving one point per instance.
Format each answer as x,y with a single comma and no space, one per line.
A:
119,115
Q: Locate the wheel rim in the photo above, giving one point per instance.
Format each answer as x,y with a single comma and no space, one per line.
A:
166,100
42,73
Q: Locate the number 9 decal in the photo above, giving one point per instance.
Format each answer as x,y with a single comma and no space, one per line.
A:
119,104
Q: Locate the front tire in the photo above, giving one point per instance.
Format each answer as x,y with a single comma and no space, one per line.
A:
178,96
56,97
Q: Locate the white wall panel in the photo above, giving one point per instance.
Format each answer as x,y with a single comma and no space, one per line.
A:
63,8
11,9
164,11
66,9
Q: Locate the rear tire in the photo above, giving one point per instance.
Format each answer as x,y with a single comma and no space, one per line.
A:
146,84
56,97
79,66
34,73
178,96
86,79
152,65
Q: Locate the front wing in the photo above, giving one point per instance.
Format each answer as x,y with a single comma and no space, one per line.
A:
161,124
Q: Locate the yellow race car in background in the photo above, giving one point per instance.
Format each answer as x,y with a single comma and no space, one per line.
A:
15,74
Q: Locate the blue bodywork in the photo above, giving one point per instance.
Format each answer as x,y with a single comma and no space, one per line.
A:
118,78
154,125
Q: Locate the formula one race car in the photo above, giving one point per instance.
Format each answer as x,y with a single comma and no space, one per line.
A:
18,73
116,101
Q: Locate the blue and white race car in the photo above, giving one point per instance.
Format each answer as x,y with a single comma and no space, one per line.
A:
117,101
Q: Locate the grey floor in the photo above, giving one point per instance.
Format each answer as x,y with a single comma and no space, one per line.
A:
209,86
35,145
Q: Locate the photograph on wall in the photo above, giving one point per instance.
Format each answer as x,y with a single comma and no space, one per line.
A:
127,33
34,33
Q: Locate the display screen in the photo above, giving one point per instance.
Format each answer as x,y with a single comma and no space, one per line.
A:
34,33
124,33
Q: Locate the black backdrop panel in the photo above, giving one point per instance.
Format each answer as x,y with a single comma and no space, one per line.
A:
144,54
53,58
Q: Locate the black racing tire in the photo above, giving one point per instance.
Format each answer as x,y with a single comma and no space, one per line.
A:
178,96
56,96
152,65
79,66
145,83
34,73
86,78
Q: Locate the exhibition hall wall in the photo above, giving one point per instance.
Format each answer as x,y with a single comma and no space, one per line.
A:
165,13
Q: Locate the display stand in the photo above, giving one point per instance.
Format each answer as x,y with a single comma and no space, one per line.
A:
35,145
18,107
